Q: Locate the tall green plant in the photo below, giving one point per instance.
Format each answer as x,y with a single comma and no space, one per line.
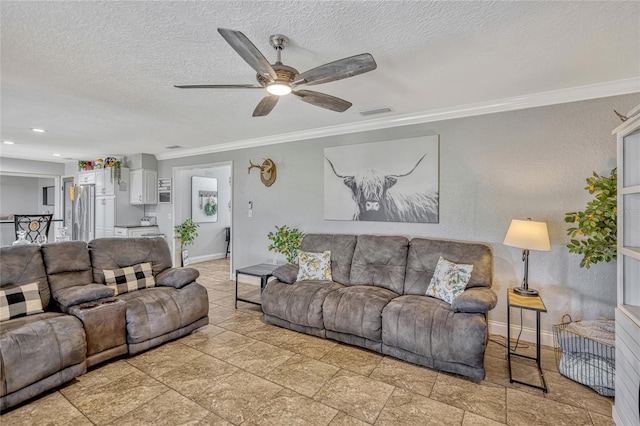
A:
286,241
186,233
594,235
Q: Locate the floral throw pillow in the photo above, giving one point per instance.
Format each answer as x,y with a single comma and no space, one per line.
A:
314,266
449,280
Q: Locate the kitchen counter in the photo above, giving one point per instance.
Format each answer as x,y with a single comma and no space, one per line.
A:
134,226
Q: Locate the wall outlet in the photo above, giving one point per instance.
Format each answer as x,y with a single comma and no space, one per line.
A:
169,216
250,213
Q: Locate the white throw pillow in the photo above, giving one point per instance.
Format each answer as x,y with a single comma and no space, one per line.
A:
449,280
314,266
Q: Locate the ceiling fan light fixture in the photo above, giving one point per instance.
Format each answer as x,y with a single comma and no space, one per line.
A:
279,88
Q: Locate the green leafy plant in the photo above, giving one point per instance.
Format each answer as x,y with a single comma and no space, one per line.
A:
116,168
211,208
186,233
595,233
286,241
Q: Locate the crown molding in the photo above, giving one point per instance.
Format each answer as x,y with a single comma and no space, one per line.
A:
574,94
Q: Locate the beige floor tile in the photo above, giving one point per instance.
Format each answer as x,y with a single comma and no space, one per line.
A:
404,375
167,409
485,398
237,396
407,408
342,419
243,324
600,420
200,335
273,335
164,358
106,403
53,408
526,409
311,346
471,419
260,358
215,294
218,314
224,344
97,376
354,359
196,376
291,408
356,395
302,374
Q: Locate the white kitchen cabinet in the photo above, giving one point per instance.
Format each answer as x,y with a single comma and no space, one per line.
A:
626,410
105,216
105,184
144,187
86,178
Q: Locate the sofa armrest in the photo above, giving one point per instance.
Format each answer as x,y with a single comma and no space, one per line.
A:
286,273
77,294
475,300
177,277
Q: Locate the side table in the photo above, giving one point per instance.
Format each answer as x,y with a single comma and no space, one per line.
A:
262,270
533,303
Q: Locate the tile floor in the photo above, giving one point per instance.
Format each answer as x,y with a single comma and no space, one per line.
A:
239,370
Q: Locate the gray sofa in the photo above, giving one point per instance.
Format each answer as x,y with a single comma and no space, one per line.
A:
83,323
377,300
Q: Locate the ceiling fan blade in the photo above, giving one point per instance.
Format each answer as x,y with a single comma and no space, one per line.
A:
218,86
266,105
323,100
337,70
241,44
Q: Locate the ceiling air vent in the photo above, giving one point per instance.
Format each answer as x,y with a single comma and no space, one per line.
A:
375,111
174,147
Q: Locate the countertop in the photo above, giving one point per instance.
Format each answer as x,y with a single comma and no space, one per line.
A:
134,226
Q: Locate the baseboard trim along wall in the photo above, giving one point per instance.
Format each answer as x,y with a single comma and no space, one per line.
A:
528,334
205,258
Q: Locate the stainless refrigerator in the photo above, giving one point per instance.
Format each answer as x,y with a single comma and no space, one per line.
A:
84,202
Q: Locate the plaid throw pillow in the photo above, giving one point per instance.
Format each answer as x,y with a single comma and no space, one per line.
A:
128,279
20,301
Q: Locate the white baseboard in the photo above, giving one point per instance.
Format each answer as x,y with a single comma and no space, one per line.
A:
205,258
528,334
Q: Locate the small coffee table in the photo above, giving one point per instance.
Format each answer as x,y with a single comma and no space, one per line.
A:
262,270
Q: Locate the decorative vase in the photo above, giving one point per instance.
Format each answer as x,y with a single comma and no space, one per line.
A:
21,241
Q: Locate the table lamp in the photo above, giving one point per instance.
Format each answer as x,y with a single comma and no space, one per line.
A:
527,235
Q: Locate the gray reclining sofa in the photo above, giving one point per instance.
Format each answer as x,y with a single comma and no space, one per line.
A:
377,300
82,323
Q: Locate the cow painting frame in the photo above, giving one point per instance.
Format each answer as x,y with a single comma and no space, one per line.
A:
389,181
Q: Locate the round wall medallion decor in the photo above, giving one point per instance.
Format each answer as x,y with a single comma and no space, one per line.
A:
34,225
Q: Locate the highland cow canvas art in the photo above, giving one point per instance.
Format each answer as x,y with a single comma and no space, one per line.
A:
390,181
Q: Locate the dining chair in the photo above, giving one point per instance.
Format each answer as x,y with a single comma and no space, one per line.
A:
33,224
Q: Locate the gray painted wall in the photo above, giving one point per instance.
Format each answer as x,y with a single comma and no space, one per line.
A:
493,168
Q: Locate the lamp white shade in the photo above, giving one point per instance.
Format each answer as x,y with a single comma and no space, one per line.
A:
528,235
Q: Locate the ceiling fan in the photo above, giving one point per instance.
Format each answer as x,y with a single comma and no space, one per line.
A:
279,79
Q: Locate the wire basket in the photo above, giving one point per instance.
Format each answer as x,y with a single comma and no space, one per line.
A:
585,352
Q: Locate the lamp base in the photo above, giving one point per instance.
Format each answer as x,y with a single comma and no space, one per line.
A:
525,291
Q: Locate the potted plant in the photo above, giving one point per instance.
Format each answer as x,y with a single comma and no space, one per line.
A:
115,166
286,241
186,234
594,235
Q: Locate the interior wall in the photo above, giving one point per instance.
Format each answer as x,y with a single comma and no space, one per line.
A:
493,168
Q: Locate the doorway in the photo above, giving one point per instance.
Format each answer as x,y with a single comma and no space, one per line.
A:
203,193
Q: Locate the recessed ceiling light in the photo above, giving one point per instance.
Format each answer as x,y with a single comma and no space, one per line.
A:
38,130
56,155
9,142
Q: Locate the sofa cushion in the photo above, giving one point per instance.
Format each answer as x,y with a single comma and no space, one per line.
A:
314,266
67,264
299,303
424,254
428,327
115,253
449,280
155,311
19,301
341,248
177,277
380,261
35,347
70,296
128,279
286,273
357,310
23,265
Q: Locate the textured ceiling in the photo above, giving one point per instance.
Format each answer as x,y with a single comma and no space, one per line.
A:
98,76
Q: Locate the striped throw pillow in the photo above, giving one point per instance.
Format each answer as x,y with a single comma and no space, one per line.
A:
131,278
20,301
